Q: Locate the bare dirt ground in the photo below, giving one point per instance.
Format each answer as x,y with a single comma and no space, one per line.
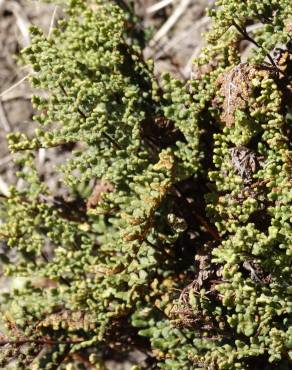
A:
175,30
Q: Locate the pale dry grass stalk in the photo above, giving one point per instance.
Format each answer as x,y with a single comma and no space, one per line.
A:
52,23
14,86
3,119
22,21
158,6
4,188
171,21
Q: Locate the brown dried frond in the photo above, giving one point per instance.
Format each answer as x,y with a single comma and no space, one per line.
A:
199,71
100,188
198,360
184,316
257,273
244,161
207,277
67,319
205,273
251,191
236,88
15,343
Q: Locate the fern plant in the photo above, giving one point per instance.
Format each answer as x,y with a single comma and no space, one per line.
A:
183,248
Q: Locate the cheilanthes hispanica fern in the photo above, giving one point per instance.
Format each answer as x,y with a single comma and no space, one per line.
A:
183,248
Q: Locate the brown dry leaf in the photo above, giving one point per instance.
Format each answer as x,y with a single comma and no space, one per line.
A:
96,196
236,88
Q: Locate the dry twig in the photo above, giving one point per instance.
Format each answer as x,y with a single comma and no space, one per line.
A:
21,20
15,85
52,23
158,6
3,119
4,188
171,21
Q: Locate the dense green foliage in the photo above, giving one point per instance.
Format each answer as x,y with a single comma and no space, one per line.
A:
184,246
